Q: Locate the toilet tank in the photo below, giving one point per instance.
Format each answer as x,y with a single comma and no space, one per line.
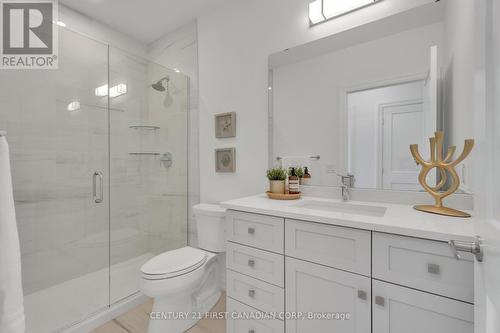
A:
210,227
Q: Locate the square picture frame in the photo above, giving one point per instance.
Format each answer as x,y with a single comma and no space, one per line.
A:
225,160
225,125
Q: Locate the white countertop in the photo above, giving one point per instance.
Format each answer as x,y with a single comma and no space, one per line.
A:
398,219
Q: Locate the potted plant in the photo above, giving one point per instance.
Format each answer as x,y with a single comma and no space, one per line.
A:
299,171
277,177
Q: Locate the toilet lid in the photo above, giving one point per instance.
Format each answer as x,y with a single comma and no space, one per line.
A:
174,263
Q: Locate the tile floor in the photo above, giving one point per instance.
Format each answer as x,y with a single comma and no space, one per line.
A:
137,319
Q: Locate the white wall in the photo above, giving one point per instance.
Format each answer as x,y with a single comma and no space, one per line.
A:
100,31
487,158
458,78
307,117
234,44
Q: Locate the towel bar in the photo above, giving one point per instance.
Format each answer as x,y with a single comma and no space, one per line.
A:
316,157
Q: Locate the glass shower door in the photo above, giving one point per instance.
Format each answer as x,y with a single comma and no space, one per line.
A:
99,162
58,134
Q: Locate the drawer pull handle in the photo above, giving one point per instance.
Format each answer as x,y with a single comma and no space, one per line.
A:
251,231
433,269
379,300
362,295
251,293
251,262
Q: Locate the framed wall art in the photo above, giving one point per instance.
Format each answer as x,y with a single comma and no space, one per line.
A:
225,160
225,125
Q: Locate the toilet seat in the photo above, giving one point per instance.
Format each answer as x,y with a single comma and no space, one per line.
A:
174,263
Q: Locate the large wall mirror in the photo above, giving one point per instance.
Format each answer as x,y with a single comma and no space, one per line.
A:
352,103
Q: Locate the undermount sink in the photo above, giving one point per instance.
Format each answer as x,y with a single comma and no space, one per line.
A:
341,207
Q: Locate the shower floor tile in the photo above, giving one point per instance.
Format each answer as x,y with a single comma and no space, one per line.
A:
75,299
137,320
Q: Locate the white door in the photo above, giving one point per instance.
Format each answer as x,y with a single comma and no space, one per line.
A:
403,310
312,288
403,124
487,165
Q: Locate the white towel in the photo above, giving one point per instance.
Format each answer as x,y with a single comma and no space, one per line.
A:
11,290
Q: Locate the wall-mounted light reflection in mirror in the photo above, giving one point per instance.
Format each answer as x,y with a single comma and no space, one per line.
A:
74,106
115,91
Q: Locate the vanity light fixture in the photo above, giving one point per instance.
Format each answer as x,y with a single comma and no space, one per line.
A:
323,10
74,106
316,12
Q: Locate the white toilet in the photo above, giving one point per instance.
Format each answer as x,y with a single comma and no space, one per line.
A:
186,280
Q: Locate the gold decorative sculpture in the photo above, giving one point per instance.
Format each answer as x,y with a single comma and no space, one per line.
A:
446,167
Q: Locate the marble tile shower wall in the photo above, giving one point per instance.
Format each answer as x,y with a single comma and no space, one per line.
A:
63,234
179,49
148,200
170,186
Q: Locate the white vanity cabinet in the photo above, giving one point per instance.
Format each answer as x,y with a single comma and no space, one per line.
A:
399,309
313,288
424,265
343,248
333,278
255,273
260,231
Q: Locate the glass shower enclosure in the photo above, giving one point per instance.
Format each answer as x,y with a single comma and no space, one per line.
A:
99,164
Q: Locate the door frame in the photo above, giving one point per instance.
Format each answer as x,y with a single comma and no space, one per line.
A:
344,164
380,142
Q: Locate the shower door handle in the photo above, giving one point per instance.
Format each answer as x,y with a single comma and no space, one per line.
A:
98,187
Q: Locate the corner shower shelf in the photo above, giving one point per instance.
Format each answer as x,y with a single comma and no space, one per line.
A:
145,154
144,127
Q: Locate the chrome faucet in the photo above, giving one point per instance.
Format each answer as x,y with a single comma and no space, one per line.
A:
345,193
347,183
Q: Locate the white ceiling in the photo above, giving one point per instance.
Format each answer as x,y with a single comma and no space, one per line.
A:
144,20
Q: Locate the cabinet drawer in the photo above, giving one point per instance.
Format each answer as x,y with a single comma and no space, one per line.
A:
339,247
256,293
261,231
237,321
423,264
400,309
256,263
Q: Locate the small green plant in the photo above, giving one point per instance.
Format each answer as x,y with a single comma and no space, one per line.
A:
299,171
276,174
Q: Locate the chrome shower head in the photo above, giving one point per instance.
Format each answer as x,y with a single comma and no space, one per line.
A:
158,86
